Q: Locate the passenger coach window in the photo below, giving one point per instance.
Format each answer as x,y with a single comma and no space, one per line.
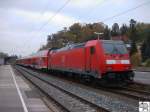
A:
92,50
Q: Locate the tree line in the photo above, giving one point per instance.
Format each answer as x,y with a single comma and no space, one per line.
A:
136,34
3,55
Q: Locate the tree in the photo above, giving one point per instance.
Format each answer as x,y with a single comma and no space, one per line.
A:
143,31
89,29
133,35
107,32
133,48
145,48
115,30
133,31
76,30
3,55
123,29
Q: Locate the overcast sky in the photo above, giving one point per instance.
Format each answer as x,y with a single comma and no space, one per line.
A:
20,20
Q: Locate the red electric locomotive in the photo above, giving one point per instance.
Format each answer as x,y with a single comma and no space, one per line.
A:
105,60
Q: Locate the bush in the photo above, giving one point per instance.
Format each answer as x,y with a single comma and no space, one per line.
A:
136,59
147,63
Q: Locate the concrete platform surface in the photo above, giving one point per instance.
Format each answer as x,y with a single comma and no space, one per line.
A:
142,77
16,95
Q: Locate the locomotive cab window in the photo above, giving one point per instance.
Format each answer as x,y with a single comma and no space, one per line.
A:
92,50
114,48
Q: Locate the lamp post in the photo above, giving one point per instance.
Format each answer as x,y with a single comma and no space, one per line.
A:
98,33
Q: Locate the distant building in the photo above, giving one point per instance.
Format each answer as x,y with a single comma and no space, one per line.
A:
10,59
2,61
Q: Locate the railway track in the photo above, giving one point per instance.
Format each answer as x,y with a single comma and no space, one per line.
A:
89,98
136,91
141,86
139,91
132,93
36,81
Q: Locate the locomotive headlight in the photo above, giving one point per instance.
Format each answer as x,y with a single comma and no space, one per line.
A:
125,62
110,61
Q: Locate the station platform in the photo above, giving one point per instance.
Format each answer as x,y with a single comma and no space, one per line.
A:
142,77
16,95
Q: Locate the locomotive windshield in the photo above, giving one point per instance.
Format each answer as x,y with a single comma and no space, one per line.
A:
114,48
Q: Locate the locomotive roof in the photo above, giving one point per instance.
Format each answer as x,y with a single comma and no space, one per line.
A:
42,53
113,41
71,46
80,45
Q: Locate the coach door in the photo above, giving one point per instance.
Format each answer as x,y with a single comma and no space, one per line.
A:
89,57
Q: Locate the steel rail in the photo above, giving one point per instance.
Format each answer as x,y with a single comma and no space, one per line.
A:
129,92
97,107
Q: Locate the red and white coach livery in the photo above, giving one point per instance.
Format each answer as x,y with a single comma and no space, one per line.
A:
106,60
37,60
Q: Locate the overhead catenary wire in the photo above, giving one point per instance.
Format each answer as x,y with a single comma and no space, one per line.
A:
106,19
94,8
62,7
126,11
49,19
43,11
38,18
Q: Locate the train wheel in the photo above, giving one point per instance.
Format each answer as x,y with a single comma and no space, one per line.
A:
85,79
